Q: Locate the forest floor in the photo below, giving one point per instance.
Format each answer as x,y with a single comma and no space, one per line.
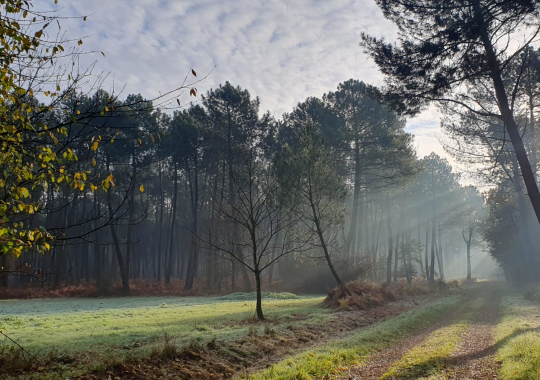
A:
485,332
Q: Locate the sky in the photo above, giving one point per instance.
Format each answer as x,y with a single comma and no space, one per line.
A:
281,51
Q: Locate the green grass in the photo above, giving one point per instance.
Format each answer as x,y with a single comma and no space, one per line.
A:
518,339
330,358
96,329
253,296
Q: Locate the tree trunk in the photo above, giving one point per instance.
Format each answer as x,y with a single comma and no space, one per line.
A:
396,257
193,260
427,250
323,244
432,269
131,205
468,242
390,243
161,211
169,268
351,236
506,113
440,260
124,271
260,315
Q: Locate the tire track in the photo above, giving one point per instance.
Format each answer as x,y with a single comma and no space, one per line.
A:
475,356
376,365
472,359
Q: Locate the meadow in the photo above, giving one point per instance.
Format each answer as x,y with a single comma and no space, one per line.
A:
98,329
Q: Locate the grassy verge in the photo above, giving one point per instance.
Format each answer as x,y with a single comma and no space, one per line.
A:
332,357
94,330
518,339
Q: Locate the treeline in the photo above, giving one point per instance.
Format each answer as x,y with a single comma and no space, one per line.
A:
222,194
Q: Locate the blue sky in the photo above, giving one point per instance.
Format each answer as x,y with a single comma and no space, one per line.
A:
282,51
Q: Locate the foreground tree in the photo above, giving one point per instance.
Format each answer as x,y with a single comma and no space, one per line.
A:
258,211
443,47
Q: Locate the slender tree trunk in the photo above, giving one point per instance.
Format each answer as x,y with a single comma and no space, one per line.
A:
440,259
323,242
390,243
258,308
468,242
131,214
427,250
396,257
193,260
124,270
161,211
433,237
351,236
170,266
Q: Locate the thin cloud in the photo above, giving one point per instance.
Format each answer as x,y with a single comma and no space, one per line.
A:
280,51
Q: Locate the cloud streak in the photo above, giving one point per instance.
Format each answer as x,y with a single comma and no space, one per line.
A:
279,50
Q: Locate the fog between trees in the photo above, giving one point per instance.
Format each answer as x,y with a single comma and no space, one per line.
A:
225,197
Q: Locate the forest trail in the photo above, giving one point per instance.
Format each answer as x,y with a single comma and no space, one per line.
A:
461,346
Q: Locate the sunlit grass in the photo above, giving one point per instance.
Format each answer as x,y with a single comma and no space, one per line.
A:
95,329
331,358
518,339
430,356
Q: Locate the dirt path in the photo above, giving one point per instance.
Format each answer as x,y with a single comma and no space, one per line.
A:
380,362
472,359
475,356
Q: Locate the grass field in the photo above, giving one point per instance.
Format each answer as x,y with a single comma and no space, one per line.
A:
517,337
299,340
117,327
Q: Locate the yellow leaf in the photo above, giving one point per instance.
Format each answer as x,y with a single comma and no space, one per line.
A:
78,112
95,145
141,189
93,161
47,246
80,42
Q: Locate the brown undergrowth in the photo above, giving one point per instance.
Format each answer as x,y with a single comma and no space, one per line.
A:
108,289
357,295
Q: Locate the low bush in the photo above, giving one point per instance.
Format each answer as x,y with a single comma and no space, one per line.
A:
359,296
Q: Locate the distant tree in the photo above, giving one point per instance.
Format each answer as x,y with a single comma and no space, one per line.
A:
472,217
367,128
232,116
319,192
